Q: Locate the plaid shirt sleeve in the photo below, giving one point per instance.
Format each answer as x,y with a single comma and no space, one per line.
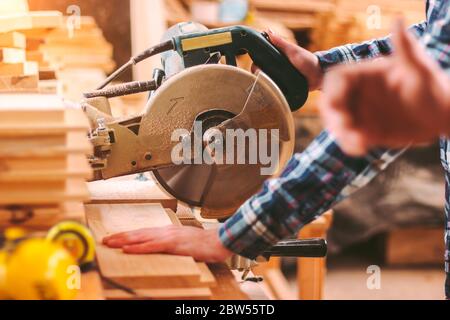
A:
362,51
312,182
437,39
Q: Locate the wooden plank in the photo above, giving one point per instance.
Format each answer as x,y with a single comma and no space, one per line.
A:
46,19
80,61
40,218
294,6
47,74
33,44
154,271
45,146
160,294
129,190
36,56
415,246
13,22
24,123
30,102
56,168
91,287
12,55
100,48
13,40
43,193
227,287
19,69
278,284
23,84
49,87
13,6
311,271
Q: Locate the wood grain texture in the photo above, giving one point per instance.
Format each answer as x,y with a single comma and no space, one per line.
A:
160,294
155,271
129,190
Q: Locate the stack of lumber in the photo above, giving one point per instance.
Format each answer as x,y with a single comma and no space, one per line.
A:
74,52
43,51
43,164
357,21
152,276
20,69
294,14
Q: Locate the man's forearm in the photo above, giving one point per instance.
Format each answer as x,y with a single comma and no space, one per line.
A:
310,185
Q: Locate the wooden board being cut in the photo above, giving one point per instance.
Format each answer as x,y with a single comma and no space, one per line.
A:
129,190
140,272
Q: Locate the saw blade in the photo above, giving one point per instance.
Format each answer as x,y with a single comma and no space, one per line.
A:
226,98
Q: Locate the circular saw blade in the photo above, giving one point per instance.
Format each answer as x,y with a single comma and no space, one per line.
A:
251,102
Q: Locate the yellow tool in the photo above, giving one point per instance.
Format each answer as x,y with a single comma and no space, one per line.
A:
33,268
77,239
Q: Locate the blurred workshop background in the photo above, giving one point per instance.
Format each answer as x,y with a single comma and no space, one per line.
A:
395,223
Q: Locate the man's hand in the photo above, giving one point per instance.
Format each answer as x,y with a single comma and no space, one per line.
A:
202,245
305,62
389,102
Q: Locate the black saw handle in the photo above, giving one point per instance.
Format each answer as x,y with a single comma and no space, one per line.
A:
307,248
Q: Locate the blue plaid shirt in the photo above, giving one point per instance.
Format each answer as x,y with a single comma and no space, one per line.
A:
322,175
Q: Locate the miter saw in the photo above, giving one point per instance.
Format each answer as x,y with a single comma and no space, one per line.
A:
201,84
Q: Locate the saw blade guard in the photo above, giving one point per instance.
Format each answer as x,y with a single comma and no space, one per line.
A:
233,130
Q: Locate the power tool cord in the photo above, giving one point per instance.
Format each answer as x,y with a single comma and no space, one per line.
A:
160,48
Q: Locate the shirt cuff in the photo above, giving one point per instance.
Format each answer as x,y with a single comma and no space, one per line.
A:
240,237
333,57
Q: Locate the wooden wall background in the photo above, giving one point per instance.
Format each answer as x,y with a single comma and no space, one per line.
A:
113,16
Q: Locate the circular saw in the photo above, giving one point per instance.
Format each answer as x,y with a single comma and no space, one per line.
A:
211,133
